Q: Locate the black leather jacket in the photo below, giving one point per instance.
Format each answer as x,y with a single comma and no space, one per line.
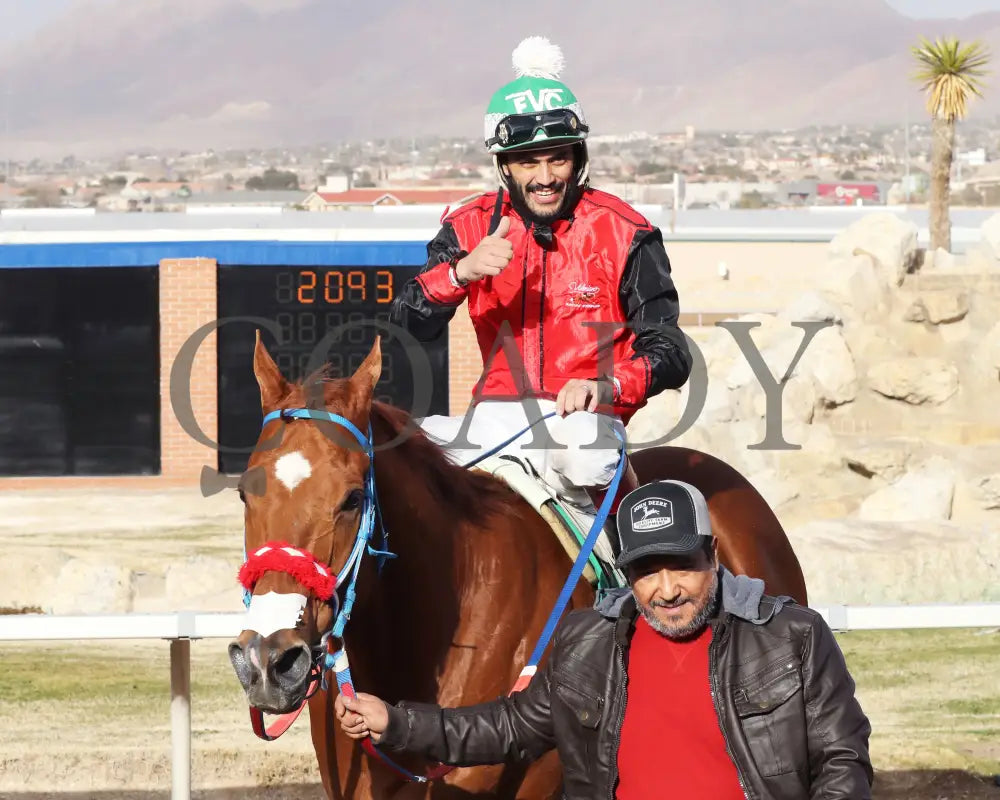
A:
783,694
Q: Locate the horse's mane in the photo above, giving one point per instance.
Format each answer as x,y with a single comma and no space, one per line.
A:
465,492
469,494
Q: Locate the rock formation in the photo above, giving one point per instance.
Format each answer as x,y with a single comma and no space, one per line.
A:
883,468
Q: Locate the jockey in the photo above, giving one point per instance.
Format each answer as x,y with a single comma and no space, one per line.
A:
568,289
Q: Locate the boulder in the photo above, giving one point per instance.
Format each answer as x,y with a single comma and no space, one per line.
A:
890,240
85,587
981,258
775,488
798,400
990,231
855,286
656,419
28,577
202,582
720,404
939,307
987,491
852,562
812,306
829,361
818,456
923,493
771,336
915,380
989,353
939,261
879,459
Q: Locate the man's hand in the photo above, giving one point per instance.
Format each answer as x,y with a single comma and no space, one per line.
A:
361,716
583,395
489,257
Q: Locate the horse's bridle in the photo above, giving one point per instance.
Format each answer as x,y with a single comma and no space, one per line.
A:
324,656
325,659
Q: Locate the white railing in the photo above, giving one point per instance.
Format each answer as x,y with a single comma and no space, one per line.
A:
181,627
178,628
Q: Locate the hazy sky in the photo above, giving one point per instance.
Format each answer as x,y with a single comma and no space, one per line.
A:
19,18
944,8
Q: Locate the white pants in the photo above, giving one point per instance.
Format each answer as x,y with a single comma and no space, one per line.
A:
591,449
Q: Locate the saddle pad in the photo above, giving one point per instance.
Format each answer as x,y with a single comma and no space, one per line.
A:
561,517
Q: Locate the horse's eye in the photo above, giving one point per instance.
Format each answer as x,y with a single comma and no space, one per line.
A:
243,496
353,500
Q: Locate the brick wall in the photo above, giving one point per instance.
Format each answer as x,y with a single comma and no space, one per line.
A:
465,362
187,302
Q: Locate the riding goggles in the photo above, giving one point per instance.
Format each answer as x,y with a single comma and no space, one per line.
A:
521,129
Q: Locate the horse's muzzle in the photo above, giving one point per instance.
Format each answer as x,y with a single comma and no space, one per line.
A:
275,676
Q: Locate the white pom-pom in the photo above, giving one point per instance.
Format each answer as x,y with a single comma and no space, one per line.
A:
537,57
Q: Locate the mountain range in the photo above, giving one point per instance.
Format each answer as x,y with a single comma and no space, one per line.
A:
218,73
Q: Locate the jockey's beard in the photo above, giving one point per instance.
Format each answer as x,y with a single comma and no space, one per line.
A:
527,203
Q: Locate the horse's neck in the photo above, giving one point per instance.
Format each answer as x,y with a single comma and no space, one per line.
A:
408,613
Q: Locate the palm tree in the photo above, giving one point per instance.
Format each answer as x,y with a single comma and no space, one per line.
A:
950,73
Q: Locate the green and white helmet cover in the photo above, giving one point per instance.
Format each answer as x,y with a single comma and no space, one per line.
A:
537,63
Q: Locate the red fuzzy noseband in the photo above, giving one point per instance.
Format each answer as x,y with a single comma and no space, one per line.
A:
283,557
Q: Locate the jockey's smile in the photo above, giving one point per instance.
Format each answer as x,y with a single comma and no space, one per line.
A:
540,178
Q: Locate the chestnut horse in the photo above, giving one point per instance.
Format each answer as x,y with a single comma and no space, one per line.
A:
452,618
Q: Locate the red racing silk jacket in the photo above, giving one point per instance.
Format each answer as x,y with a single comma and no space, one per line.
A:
592,297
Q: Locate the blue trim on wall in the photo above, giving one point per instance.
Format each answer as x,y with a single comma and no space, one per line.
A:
263,253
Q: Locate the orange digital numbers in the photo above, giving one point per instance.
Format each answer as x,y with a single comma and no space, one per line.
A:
307,285
356,282
333,286
336,282
383,286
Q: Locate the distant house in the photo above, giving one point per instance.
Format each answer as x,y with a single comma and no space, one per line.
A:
369,198
249,198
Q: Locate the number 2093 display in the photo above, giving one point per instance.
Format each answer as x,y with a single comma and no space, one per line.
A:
311,287
303,305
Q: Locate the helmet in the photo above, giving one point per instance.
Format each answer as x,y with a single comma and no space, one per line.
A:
536,109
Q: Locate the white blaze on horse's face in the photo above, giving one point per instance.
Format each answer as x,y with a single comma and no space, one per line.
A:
291,469
274,612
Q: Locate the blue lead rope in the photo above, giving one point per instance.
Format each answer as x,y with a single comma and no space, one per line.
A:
585,549
581,560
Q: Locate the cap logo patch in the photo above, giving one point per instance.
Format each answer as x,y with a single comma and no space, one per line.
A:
652,514
548,99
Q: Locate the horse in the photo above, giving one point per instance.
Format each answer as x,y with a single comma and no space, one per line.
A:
452,617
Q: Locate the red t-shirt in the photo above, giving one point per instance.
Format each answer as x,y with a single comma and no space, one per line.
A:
671,745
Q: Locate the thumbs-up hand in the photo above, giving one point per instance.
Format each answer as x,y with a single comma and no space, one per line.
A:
489,257
361,716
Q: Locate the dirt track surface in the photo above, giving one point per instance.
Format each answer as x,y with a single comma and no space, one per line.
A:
914,785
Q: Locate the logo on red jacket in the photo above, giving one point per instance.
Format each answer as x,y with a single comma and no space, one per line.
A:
582,295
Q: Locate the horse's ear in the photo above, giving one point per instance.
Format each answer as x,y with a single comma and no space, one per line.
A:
370,371
273,386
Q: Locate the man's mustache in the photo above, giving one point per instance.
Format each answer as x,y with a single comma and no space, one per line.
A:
555,186
670,603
